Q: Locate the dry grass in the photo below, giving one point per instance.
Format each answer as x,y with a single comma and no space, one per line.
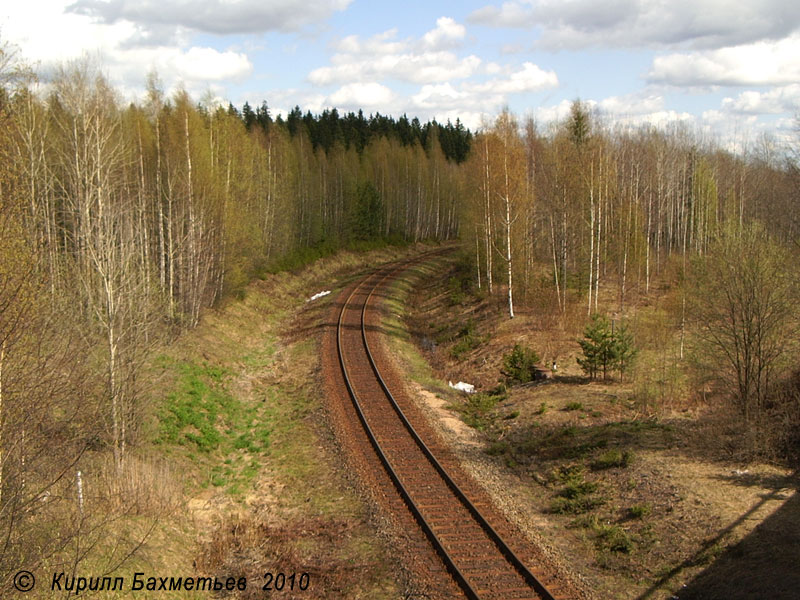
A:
144,487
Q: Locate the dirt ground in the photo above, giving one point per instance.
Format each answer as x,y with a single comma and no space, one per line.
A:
637,500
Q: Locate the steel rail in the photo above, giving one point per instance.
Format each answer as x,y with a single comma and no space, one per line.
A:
459,577
449,562
507,552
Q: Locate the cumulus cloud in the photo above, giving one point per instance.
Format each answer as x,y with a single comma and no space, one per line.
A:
450,85
530,78
367,95
437,95
48,36
649,23
631,110
760,63
784,99
213,16
632,104
208,64
471,101
410,67
383,56
448,34
556,112
380,43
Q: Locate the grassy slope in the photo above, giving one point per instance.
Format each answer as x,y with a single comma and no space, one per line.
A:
237,417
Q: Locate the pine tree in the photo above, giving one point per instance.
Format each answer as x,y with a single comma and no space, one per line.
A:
624,351
605,349
597,347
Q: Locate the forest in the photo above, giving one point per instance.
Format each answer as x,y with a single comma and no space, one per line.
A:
121,223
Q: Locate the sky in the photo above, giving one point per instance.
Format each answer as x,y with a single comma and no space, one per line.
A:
730,69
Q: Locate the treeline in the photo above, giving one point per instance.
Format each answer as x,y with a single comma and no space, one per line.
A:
328,129
555,214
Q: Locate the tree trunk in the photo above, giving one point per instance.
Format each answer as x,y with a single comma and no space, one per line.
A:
508,258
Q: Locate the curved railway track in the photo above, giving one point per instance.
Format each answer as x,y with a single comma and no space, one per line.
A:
480,561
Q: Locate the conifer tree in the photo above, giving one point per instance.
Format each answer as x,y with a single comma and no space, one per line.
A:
606,349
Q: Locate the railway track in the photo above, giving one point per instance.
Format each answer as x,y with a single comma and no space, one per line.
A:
479,560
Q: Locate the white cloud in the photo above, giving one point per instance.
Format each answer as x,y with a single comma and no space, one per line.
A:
632,104
381,43
382,57
208,64
785,99
448,34
555,113
760,63
649,23
438,95
630,110
367,95
450,86
48,36
416,68
659,118
212,16
530,78
471,101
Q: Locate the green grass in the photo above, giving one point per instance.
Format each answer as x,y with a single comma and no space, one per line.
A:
575,506
639,511
201,416
580,442
613,458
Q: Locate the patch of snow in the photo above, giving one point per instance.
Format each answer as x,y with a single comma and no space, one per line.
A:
462,387
319,295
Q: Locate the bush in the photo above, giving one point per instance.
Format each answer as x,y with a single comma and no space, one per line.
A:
478,411
577,488
576,495
520,364
498,448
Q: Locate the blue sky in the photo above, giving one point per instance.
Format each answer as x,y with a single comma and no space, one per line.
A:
730,69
